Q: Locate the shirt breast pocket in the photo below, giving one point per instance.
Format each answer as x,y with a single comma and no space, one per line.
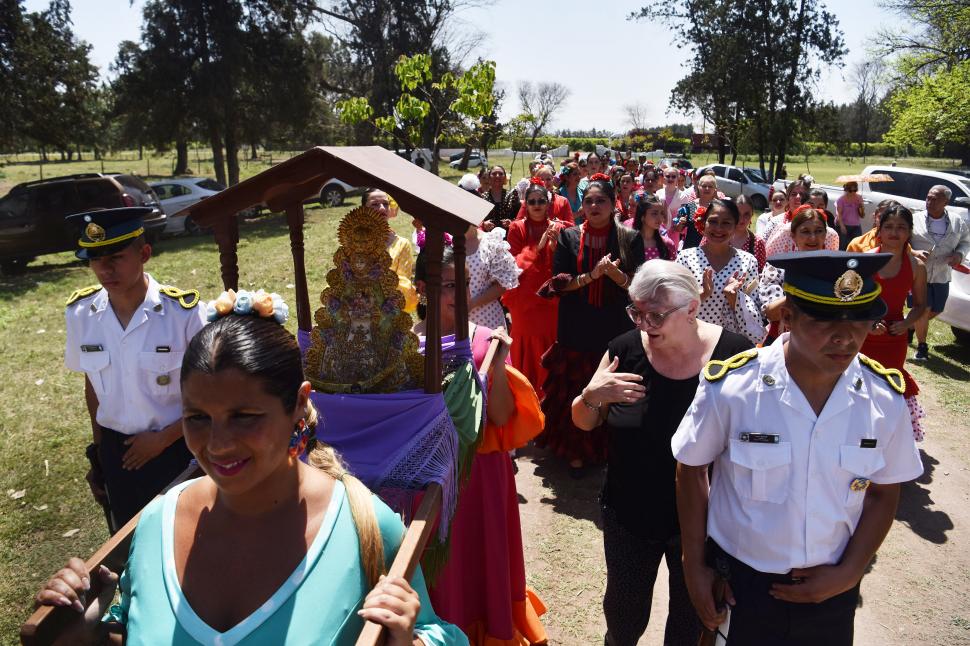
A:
161,371
761,471
93,365
859,462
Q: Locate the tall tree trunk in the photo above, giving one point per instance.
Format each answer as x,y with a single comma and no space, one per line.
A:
218,161
141,152
253,152
721,147
232,155
79,153
464,157
181,157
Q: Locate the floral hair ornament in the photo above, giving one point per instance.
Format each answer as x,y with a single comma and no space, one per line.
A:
246,303
537,181
700,219
421,237
600,177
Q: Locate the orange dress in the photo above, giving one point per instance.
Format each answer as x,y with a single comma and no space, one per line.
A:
534,318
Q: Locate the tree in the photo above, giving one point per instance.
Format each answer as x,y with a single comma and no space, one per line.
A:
636,115
935,112
867,76
929,105
12,30
374,34
743,75
428,108
539,103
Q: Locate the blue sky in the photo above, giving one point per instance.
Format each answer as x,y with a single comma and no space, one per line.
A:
553,42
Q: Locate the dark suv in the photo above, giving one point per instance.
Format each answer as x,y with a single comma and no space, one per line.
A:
32,214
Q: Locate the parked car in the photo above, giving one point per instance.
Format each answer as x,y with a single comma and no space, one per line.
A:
334,191
909,187
179,193
459,155
474,160
734,181
32,214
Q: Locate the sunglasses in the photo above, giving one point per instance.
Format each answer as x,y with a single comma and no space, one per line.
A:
650,319
537,202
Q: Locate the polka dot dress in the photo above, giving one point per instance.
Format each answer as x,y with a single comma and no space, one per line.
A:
745,317
491,263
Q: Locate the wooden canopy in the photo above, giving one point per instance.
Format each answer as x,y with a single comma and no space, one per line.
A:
439,204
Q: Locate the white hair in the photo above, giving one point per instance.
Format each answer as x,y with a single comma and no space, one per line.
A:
469,182
663,280
944,189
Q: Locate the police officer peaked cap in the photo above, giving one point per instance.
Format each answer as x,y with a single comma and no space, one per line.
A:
108,231
834,285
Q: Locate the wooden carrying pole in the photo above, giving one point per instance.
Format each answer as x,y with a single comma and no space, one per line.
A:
48,623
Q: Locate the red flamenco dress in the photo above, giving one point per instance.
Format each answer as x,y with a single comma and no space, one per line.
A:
534,318
481,589
890,349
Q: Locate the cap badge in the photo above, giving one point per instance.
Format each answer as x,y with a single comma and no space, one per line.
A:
848,286
94,232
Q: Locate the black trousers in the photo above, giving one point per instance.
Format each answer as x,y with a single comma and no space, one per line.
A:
130,491
631,571
758,619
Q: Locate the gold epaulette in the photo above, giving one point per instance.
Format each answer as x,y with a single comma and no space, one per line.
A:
84,292
187,298
716,369
892,376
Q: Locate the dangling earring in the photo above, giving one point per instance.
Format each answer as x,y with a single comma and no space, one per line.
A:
299,439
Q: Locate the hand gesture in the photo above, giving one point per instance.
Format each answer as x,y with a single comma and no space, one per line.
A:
142,448
954,259
601,267
70,586
487,226
817,584
700,587
394,604
550,235
879,328
707,284
608,386
731,288
921,255
614,271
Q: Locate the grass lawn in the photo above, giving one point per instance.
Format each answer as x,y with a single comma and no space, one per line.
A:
46,511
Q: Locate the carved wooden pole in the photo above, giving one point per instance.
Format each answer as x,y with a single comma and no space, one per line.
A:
434,246
227,238
461,293
294,218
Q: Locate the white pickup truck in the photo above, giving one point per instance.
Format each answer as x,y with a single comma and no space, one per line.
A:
909,187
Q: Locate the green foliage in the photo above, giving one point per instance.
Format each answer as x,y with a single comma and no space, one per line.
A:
455,104
934,112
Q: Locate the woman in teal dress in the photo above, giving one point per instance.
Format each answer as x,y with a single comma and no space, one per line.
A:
264,549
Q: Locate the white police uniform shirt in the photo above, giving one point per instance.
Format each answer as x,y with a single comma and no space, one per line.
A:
134,371
790,504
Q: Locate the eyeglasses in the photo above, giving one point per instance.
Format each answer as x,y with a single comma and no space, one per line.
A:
650,319
537,202
670,177
851,190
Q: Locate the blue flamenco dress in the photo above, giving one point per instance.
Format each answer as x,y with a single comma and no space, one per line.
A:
317,604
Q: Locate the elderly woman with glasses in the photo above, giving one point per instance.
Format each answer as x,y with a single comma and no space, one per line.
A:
642,388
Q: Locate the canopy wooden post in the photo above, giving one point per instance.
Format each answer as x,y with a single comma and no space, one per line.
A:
294,218
226,232
434,247
461,293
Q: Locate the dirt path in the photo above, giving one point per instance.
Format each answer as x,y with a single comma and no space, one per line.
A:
916,593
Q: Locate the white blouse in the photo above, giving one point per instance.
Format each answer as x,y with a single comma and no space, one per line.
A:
745,317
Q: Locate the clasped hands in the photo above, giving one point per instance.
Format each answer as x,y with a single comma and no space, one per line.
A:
811,585
606,266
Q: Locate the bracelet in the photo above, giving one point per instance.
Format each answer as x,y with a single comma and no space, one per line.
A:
626,282
597,407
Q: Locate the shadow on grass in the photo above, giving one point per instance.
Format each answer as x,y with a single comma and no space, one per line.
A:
914,506
30,277
949,361
576,498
